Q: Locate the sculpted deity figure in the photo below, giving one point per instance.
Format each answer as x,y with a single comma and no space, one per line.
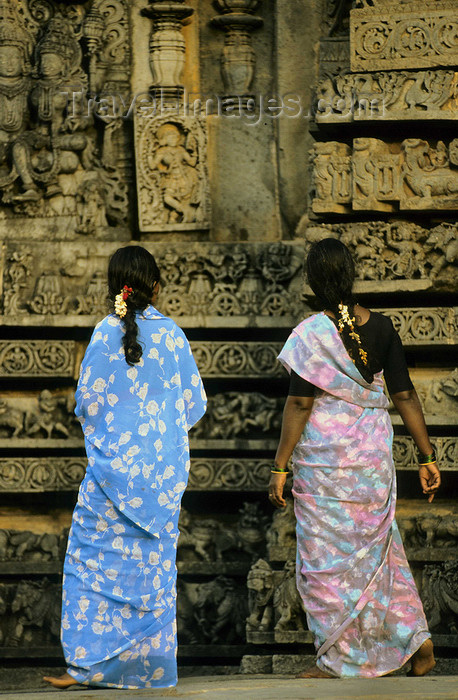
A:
175,161
15,53
52,146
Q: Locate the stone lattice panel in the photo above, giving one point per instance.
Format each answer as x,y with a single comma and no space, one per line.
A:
400,36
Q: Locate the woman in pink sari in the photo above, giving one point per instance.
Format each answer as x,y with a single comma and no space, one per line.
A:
352,574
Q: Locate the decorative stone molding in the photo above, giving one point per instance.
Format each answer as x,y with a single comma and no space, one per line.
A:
406,456
38,474
396,250
387,96
35,474
378,176
203,284
37,358
398,36
238,58
172,179
428,326
167,45
233,360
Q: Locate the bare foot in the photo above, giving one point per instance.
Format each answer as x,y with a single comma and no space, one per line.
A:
314,672
64,681
423,660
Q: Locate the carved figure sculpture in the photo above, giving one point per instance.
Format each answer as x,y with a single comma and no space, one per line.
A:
260,591
15,68
175,161
287,603
426,170
11,419
220,611
440,597
282,532
443,238
411,255
50,148
48,418
35,605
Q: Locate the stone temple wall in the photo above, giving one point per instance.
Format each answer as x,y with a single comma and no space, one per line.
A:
225,137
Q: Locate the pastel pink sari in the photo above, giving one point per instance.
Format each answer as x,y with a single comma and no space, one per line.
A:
358,592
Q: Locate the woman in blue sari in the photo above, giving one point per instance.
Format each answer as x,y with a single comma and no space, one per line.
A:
138,395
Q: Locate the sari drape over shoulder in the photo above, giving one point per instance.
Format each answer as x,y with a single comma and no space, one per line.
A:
358,592
119,592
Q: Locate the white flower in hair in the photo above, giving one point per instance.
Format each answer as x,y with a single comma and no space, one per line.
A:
120,301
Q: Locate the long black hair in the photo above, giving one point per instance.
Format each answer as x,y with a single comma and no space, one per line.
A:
330,273
134,267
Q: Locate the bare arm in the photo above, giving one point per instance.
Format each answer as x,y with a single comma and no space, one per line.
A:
408,405
295,415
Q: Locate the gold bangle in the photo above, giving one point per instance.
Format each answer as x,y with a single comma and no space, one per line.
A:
426,464
285,471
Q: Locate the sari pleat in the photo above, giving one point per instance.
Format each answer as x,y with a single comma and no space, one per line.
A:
359,595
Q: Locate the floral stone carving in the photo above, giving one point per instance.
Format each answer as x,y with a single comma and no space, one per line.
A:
398,37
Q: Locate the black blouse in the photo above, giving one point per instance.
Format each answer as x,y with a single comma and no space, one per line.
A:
384,350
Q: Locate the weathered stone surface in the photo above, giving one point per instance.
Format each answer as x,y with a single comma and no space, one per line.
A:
40,358
404,36
380,176
387,96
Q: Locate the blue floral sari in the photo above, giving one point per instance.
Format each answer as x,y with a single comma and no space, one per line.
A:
119,590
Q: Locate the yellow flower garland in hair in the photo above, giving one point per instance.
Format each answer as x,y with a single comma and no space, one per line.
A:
346,319
120,301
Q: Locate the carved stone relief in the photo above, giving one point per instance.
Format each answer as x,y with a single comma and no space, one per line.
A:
378,176
203,539
438,394
212,612
43,358
387,96
50,170
275,608
172,181
30,614
404,37
396,250
216,359
46,416
234,414
68,284
439,587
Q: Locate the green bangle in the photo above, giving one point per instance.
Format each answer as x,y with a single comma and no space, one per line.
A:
279,471
426,459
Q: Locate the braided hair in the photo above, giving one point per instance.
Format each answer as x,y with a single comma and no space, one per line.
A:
330,273
133,268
